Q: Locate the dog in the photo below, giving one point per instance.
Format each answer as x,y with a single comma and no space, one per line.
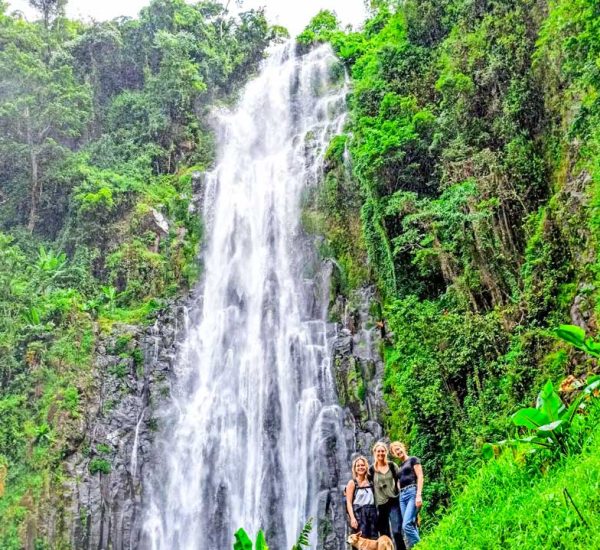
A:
382,543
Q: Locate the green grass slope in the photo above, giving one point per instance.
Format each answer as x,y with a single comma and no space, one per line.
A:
511,503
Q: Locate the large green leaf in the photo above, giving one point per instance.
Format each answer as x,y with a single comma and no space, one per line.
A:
572,334
575,336
530,418
592,347
261,543
242,541
552,426
549,402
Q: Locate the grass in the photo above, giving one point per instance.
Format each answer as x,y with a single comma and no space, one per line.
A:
510,503
134,315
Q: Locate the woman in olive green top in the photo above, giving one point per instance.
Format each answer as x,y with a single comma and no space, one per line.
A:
384,475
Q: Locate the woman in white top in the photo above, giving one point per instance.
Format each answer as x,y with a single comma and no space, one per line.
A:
360,501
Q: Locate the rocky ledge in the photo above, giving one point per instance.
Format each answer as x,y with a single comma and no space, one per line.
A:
356,339
101,497
131,379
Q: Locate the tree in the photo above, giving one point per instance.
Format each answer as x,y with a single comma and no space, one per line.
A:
50,9
41,109
97,54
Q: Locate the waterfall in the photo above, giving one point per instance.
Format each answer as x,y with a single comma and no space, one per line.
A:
254,430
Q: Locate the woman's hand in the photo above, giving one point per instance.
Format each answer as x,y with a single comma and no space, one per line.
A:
353,523
418,501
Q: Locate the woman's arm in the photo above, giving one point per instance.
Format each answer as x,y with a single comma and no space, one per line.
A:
396,472
419,473
349,499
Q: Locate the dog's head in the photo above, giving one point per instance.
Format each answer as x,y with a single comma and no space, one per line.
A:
353,539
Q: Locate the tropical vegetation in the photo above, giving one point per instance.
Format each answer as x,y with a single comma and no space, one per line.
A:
102,128
472,205
465,188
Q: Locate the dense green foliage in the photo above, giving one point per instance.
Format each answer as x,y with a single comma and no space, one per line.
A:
473,143
510,504
101,128
550,425
467,188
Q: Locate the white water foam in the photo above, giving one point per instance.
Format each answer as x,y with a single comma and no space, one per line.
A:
254,400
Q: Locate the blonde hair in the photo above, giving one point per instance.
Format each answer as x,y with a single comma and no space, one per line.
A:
356,461
399,444
376,446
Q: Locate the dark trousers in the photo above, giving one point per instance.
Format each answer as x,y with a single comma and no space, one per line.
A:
389,513
366,516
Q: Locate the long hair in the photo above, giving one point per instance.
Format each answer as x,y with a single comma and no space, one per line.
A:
377,446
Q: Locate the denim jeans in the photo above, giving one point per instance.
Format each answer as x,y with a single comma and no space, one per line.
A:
389,513
409,516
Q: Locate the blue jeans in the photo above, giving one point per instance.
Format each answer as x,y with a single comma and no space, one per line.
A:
409,516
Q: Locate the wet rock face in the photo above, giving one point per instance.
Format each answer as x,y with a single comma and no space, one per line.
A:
582,309
105,474
358,371
103,496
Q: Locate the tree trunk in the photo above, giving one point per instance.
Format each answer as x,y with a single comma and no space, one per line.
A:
35,180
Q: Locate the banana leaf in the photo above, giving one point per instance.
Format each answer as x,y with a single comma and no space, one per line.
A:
530,418
549,402
261,543
573,335
242,541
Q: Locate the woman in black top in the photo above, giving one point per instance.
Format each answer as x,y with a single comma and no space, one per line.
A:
360,500
411,488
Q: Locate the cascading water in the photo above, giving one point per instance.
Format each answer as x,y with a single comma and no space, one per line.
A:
254,404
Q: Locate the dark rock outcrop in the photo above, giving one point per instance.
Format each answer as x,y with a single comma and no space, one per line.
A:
358,370
131,380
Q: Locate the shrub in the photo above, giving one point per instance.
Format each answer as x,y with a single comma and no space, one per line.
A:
99,465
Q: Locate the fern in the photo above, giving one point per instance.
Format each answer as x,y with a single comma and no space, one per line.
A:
304,538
